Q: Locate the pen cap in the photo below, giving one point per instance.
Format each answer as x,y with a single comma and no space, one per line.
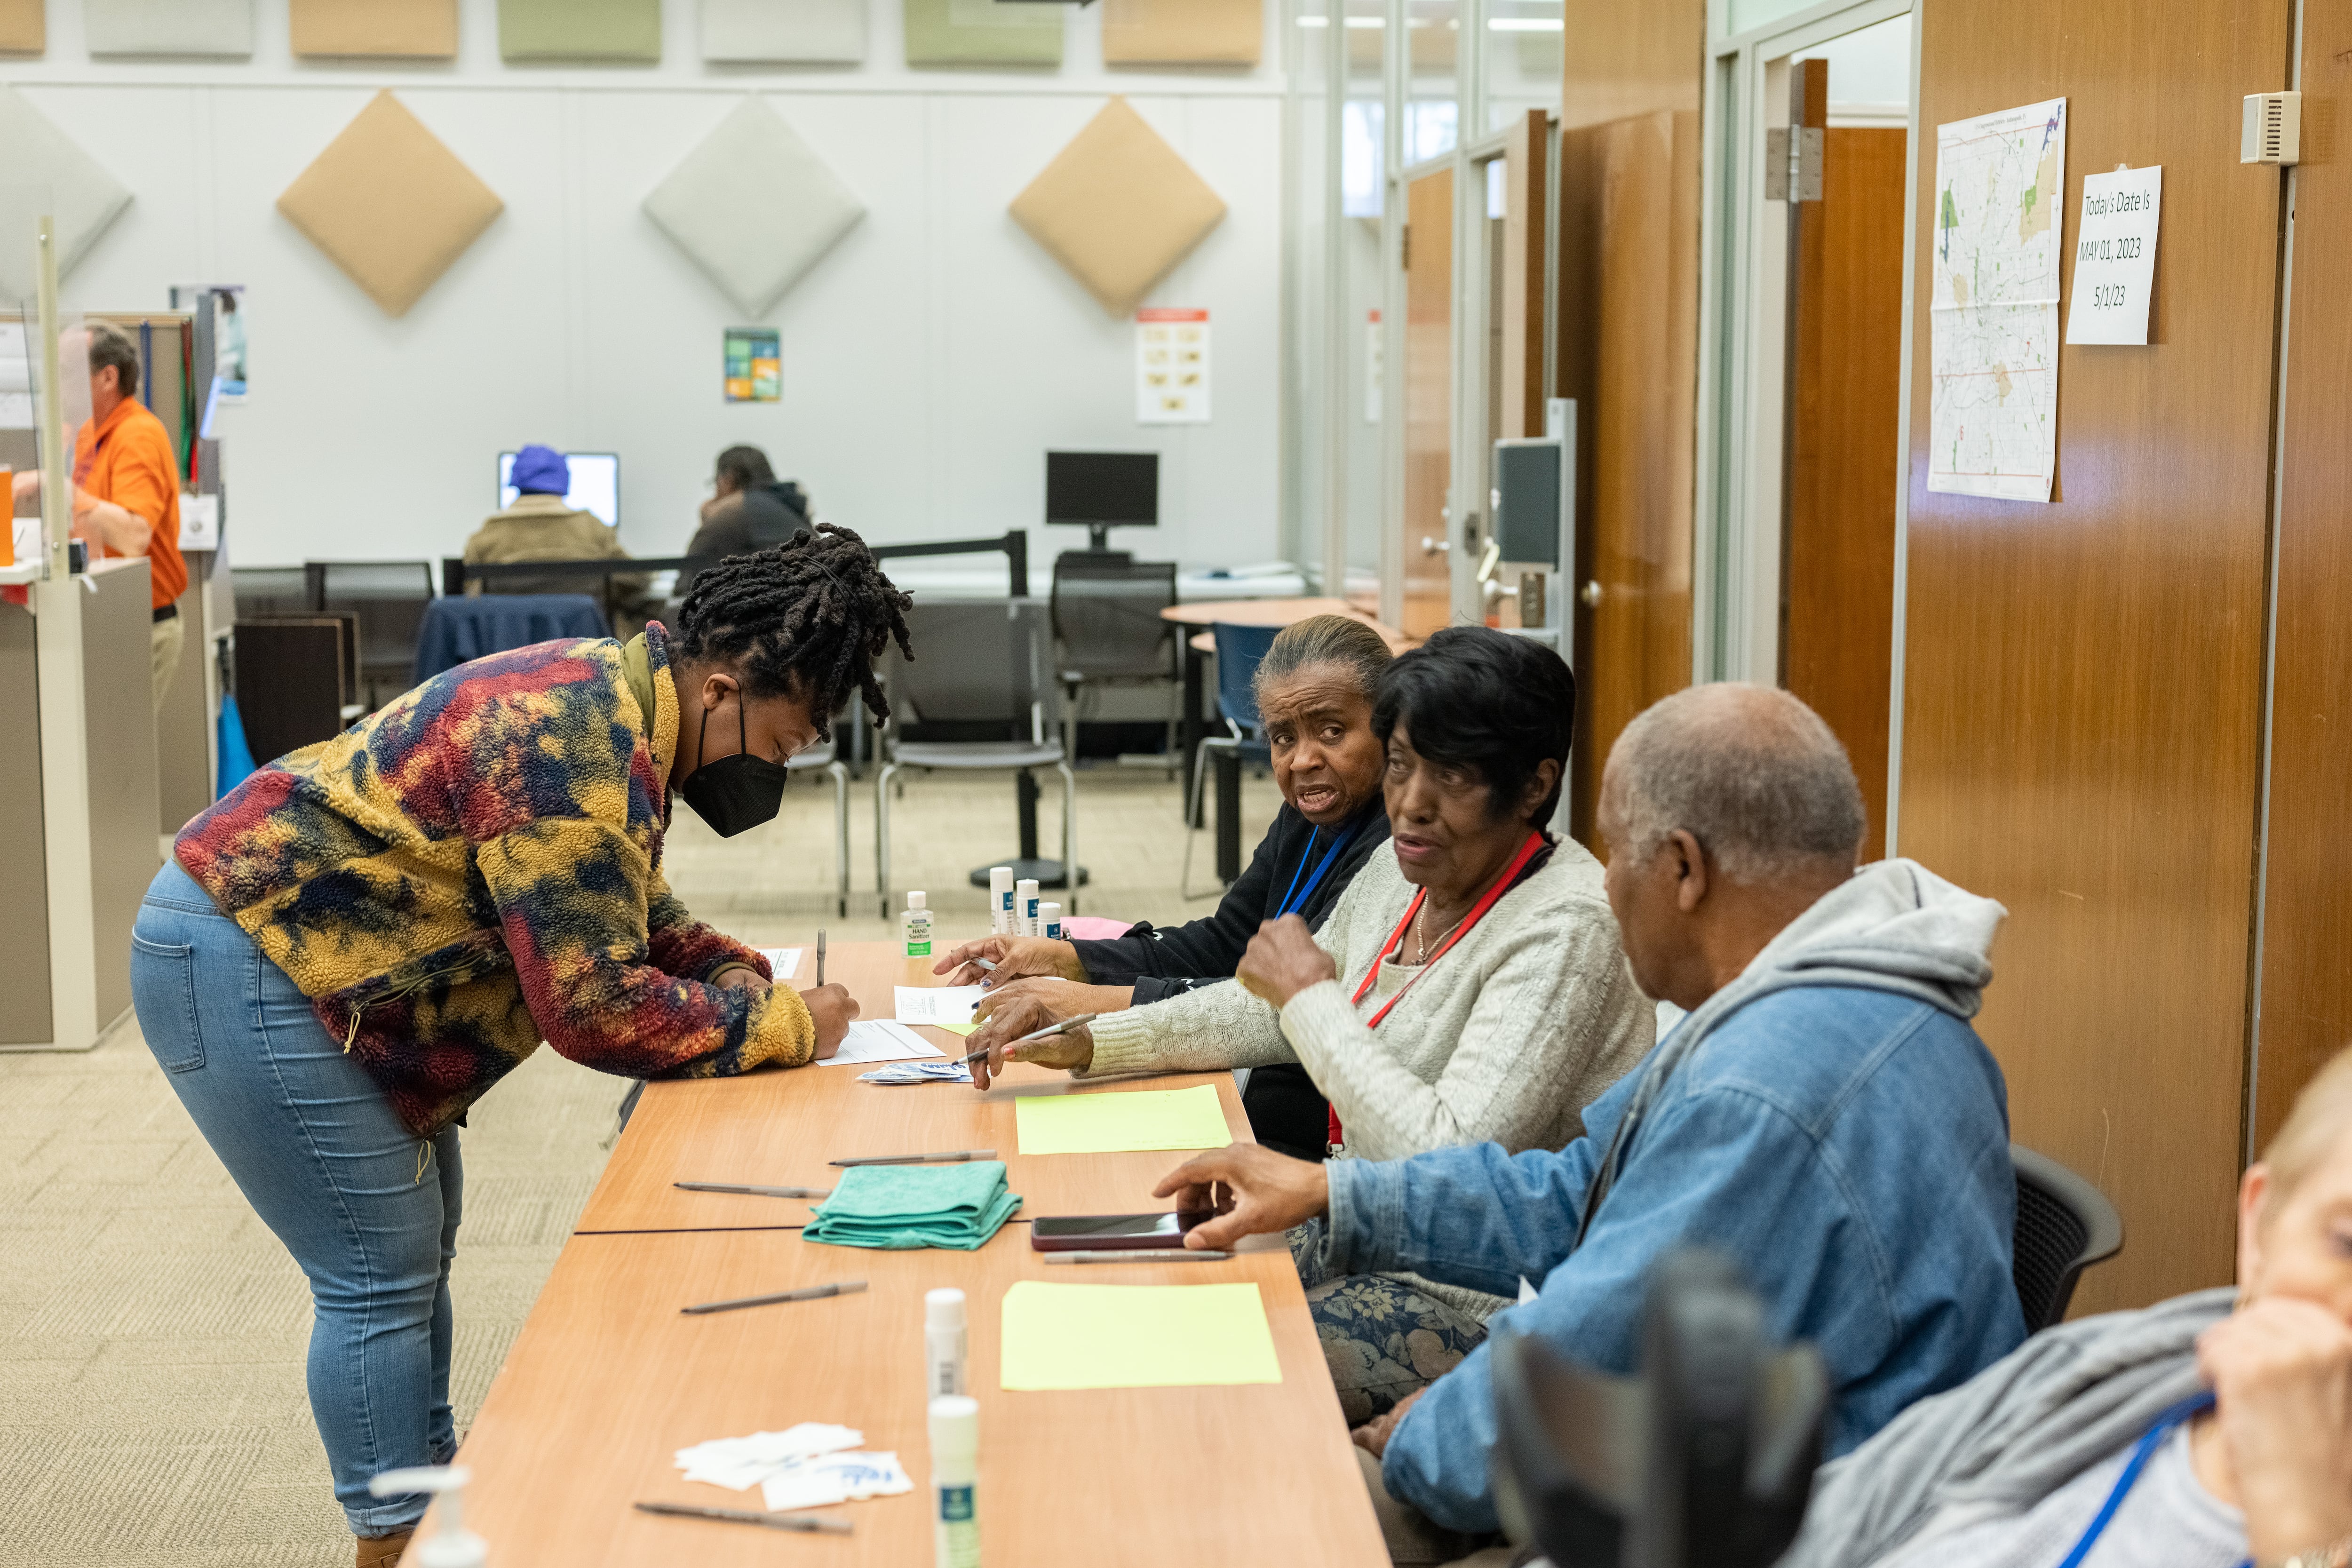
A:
943,1309
955,1430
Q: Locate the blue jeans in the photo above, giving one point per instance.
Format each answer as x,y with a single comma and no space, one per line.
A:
367,1208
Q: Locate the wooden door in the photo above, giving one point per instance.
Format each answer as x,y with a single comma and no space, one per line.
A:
1428,398
1845,444
1519,307
1628,354
2306,1012
2083,681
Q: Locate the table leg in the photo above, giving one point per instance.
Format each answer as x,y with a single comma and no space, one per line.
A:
1195,728
1228,817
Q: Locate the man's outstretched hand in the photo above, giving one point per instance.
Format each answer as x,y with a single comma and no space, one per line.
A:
1254,1190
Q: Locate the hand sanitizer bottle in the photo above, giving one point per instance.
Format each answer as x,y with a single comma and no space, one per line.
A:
946,1343
916,923
955,1474
453,1545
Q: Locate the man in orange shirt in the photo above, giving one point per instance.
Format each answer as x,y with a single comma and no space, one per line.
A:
127,487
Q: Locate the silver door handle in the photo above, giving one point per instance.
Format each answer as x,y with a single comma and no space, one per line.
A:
1591,594
1430,546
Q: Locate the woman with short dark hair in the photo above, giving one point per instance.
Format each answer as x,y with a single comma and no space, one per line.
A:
1468,987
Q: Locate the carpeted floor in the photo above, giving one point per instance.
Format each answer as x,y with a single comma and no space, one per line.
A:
153,1331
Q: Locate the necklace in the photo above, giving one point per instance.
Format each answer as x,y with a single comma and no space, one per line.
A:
1421,933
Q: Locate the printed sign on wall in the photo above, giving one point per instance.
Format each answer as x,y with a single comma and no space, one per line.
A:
1172,367
755,365
2114,257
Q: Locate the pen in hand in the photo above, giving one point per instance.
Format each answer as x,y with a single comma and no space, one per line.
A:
1063,1027
820,958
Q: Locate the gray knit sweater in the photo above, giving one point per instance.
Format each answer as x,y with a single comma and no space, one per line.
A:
1507,1037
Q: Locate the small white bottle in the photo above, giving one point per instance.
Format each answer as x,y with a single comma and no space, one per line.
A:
946,1343
1051,915
1024,904
916,924
453,1545
955,1475
1000,901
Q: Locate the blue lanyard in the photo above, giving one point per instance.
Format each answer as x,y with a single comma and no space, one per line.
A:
2164,1427
1315,881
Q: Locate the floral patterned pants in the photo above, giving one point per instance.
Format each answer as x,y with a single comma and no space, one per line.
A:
1383,1336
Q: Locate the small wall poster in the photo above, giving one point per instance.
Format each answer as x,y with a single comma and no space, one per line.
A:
2114,257
1171,366
755,365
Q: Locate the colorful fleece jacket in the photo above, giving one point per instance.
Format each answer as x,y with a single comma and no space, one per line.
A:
477,867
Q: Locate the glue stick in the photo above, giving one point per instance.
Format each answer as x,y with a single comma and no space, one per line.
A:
955,1474
1024,905
945,1343
1051,914
916,923
1000,901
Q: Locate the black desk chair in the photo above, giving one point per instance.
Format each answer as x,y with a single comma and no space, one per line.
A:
1108,627
2063,1226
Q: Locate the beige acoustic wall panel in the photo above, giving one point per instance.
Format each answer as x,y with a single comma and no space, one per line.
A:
982,33
625,31
783,32
41,166
23,26
1182,32
376,30
1118,206
390,205
216,28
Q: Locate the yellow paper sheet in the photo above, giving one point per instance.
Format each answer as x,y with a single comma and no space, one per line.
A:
1113,1122
1134,1336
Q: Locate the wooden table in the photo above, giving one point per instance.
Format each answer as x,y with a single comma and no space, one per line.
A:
607,1380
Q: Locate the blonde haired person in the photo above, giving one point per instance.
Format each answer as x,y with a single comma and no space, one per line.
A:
2211,1429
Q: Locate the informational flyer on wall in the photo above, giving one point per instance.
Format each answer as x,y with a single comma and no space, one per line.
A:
754,369
1993,423
2114,257
1171,366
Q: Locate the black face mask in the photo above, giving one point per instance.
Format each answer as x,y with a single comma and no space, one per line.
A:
738,792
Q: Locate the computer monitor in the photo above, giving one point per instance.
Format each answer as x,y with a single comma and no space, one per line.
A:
1102,490
596,484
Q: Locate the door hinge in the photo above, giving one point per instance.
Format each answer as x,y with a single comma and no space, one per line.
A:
1792,163
1404,246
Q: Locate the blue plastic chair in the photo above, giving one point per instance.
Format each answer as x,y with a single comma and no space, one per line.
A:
1239,651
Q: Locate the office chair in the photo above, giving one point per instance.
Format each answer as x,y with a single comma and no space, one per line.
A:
2063,1226
390,598
827,757
981,673
1107,623
1239,651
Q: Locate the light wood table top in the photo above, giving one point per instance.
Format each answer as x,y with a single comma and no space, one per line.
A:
779,1129
607,1380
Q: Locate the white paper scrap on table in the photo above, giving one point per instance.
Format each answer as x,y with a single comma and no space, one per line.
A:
784,962
939,1005
741,1463
2115,255
1993,238
835,1478
880,1040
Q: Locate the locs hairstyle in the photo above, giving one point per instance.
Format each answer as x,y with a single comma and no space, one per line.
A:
806,617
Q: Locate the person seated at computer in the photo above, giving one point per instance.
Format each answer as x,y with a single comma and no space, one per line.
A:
1314,690
1468,987
2212,1429
1824,1116
540,526
748,508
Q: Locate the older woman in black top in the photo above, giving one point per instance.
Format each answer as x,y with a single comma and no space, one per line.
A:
1314,699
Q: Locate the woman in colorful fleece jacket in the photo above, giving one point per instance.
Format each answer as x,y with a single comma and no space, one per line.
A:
356,943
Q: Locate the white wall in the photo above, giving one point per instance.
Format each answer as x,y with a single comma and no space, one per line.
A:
930,359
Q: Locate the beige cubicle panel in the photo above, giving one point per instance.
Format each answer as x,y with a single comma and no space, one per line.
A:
24,861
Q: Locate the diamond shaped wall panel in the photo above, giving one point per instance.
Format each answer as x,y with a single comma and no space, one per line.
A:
754,206
390,205
622,31
1118,206
376,30
784,32
1182,32
982,33
220,27
23,26
41,166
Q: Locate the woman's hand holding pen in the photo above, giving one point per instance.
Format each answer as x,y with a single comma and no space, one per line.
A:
831,1008
1004,1016
1014,958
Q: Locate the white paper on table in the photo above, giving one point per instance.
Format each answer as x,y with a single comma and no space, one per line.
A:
880,1040
783,961
939,1005
836,1478
741,1463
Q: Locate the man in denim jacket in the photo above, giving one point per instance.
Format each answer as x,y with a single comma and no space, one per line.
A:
1825,1116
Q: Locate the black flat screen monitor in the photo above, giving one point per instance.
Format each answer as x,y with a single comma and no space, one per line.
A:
1102,490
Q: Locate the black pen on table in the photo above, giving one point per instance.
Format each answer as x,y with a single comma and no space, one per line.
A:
820,958
812,1524
1063,1027
811,1293
940,1157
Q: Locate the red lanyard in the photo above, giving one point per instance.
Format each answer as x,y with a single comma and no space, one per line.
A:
1395,943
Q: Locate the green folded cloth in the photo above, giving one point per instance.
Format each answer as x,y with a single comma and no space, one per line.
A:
900,1206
